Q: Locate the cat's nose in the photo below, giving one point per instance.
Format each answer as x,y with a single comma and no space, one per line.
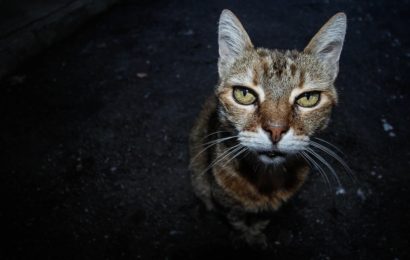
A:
277,131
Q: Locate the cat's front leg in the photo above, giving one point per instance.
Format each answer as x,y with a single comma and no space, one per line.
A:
250,231
202,189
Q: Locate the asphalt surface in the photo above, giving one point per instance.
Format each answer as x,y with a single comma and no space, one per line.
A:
94,137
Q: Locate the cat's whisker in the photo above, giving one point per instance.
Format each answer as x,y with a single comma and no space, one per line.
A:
214,133
219,140
222,157
210,144
322,173
233,152
328,143
335,156
226,153
247,152
322,160
243,149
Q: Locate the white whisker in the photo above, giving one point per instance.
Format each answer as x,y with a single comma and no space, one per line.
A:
322,160
210,144
226,153
335,156
319,168
243,149
218,140
214,133
332,145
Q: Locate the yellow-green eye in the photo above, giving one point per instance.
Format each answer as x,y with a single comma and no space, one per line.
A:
244,96
308,99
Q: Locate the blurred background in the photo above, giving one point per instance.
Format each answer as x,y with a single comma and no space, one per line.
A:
97,99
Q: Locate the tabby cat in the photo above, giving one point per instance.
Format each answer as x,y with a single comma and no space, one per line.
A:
250,144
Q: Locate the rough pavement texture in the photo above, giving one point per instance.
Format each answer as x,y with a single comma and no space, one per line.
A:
27,27
94,137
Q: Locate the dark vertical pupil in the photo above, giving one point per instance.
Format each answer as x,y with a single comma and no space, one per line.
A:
244,91
307,95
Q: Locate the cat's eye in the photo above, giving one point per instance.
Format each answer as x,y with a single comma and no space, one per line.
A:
308,99
244,96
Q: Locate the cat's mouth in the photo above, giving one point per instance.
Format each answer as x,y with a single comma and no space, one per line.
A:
272,157
272,154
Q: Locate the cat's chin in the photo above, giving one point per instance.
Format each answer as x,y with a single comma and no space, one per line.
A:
276,160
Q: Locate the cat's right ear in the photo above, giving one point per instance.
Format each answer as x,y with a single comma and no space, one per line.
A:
233,41
327,44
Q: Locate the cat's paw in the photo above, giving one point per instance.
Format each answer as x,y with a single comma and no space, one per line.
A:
258,241
255,241
209,205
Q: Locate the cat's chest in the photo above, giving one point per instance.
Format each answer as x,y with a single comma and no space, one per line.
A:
257,191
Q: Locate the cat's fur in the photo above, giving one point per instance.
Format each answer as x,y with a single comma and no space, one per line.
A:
243,182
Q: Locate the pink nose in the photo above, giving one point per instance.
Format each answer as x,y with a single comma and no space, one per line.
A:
276,132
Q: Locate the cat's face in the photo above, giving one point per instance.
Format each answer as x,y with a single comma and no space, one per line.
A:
277,100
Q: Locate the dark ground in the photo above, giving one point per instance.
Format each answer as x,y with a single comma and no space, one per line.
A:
94,162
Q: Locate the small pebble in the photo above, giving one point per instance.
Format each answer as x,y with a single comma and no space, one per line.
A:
188,32
361,194
142,75
386,126
340,191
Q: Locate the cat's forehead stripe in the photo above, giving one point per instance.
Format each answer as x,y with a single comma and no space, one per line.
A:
277,64
255,77
280,65
293,69
301,78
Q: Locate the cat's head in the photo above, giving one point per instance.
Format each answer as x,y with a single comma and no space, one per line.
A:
276,100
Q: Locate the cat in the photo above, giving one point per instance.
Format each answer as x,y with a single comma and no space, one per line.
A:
250,144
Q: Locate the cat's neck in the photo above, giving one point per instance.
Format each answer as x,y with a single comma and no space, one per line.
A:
268,178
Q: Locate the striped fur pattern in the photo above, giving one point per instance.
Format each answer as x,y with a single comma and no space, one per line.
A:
245,158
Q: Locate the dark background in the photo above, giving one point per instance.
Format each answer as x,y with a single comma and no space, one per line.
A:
94,137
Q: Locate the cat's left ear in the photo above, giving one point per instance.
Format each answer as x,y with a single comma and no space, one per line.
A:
327,44
233,41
